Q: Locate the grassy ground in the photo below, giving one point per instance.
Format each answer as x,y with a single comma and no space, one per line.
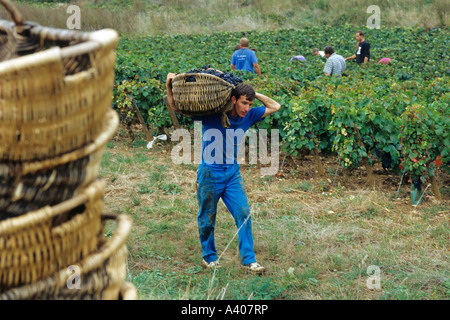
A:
316,236
138,17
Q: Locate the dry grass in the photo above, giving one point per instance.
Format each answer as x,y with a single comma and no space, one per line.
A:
193,17
316,240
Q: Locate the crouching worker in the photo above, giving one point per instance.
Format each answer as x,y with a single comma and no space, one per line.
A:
218,175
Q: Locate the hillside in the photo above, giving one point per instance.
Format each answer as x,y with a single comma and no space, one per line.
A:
137,17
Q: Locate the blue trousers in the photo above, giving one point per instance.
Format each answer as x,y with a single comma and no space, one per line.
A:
215,182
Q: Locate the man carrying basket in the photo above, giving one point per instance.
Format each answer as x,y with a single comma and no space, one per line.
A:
218,175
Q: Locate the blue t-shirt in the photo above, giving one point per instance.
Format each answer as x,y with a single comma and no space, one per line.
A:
220,146
244,59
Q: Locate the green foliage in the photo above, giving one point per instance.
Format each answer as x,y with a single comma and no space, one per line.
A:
424,139
364,123
170,188
318,112
261,289
148,95
415,139
439,126
307,126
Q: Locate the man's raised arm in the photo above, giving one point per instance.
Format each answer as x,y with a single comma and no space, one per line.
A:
271,105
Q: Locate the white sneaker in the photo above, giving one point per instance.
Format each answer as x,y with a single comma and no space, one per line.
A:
211,265
254,267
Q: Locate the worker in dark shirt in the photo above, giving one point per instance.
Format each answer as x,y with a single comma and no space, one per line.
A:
363,50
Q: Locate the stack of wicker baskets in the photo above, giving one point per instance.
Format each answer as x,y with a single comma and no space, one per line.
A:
55,121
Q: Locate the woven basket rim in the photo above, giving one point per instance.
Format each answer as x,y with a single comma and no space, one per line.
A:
182,76
118,239
111,127
29,219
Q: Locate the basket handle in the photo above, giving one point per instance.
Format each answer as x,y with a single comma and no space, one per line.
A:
15,14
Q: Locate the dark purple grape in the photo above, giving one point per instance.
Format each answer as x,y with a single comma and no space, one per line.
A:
226,76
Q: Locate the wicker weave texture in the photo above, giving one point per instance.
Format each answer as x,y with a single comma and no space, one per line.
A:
39,243
53,94
28,186
102,274
207,95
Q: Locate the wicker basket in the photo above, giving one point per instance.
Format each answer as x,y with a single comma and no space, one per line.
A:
55,87
28,186
128,292
102,274
206,96
39,243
